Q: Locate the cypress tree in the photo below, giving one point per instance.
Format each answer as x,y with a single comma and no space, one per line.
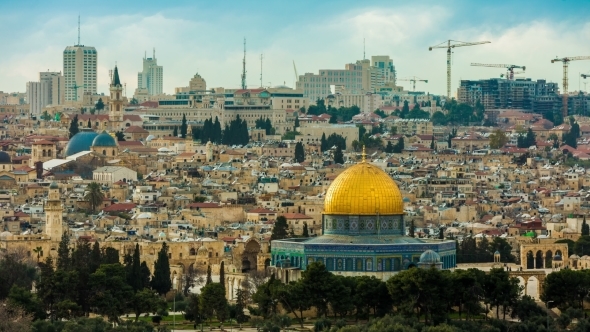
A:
324,143
175,132
183,127
89,124
585,227
338,155
222,276
280,229
74,126
161,282
305,230
299,152
216,131
297,121
64,261
135,279
94,257
209,279
145,275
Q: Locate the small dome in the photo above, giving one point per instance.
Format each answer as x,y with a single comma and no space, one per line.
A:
53,185
104,139
429,257
80,142
5,235
5,158
574,256
202,251
162,234
497,252
557,258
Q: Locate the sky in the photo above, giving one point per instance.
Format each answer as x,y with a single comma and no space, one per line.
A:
207,37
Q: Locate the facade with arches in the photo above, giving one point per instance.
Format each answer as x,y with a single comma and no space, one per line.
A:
543,256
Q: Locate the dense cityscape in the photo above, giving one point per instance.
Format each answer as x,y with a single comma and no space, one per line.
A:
353,199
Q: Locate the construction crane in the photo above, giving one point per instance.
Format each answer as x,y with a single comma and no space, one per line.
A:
515,73
413,79
585,75
450,46
509,67
75,87
566,62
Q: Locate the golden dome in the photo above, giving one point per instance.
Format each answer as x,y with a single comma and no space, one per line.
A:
363,189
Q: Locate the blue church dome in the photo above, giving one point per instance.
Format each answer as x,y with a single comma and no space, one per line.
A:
429,257
104,139
80,142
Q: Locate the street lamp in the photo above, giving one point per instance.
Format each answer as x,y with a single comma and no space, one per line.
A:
547,305
174,305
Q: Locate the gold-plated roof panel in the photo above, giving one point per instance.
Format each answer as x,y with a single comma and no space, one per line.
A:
363,189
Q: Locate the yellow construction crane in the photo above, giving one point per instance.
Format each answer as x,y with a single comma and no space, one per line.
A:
566,62
413,79
450,46
510,68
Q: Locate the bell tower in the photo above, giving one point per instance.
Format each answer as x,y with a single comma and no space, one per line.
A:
54,213
116,102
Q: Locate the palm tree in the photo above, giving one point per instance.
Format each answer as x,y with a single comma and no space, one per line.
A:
94,196
38,251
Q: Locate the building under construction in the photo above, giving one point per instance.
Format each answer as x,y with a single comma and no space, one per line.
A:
498,93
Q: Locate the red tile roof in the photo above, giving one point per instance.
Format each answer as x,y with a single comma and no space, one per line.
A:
120,207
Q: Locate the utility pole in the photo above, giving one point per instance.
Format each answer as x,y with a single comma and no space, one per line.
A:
261,57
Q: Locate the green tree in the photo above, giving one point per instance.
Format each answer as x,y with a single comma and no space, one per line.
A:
183,127
161,282
405,110
134,278
570,244
299,152
111,293
64,260
213,302
380,113
74,126
296,121
209,278
500,290
498,139
566,288
193,309
175,132
94,195
99,105
318,282
120,136
582,246
89,125
222,275
389,147
239,315
585,227
324,143
134,102
280,230
438,118
23,298
305,230
146,301
333,120
338,155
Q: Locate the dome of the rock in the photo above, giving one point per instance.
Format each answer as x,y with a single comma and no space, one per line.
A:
363,189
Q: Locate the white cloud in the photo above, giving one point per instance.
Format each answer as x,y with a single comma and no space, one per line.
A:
213,47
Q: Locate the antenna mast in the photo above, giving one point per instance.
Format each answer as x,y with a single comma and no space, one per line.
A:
78,30
261,57
364,57
244,67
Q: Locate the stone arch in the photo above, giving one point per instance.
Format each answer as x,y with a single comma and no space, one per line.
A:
192,252
539,259
530,260
533,287
548,259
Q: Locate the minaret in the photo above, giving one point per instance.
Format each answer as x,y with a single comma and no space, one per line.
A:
209,151
54,214
116,103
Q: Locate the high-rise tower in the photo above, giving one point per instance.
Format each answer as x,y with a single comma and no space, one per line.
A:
79,70
54,213
152,76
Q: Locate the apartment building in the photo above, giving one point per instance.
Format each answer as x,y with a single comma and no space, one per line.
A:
79,68
151,77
